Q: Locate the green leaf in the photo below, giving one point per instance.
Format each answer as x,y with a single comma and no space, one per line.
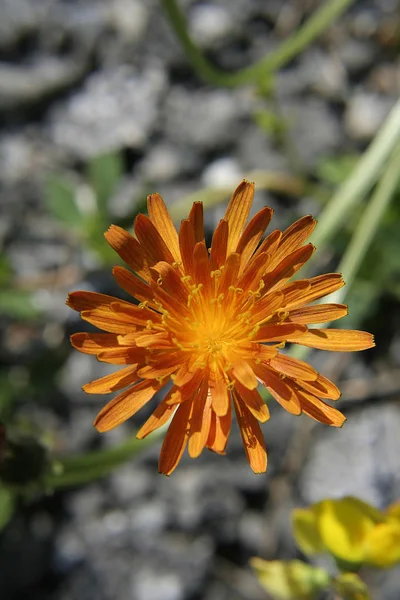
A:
7,503
60,201
104,172
18,305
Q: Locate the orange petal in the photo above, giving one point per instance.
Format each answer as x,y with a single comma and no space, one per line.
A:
122,356
266,306
304,291
131,313
128,249
175,439
319,313
252,235
279,389
170,280
156,341
200,421
160,416
243,373
196,217
219,245
162,221
219,394
252,436
201,269
123,406
279,332
105,318
187,242
163,365
322,388
287,267
113,382
320,411
337,340
133,285
81,300
293,367
187,383
254,272
93,343
230,273
219,431
271,243
294,237
237,212
253,402
151,241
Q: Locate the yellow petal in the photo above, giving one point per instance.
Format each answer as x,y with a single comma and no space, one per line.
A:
382,545
305,531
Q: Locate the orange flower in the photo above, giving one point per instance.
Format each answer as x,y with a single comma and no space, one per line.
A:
212,322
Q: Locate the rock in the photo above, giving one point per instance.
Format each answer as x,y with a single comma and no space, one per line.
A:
210,24
364,115
116,108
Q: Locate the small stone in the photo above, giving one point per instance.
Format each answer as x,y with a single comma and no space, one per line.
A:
364,115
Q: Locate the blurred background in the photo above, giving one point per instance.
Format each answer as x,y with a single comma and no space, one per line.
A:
99,106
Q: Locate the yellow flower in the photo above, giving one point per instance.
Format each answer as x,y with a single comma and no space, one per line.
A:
213,322
354,532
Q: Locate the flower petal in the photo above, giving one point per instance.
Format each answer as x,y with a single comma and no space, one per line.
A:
133,285
160,416
322,388
266,306
279,332
113,382
252,235
81,300
93,343
128,249
187,242
151,241
200,421
243,373
271,243
287,267
175,439
196,217
279,388
304,291
320,411
123,406
293,367
253,402
252,436
238,211
219,245
319,313
294,237
161,219
336,340
220,394
252,275
219,431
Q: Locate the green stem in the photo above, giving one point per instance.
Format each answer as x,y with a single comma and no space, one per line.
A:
361,180
368,225
83,468
290,48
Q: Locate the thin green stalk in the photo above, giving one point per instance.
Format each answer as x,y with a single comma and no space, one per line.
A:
354,189
83,468
316,24
368,225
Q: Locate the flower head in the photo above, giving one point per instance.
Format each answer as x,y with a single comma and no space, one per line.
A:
212,322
